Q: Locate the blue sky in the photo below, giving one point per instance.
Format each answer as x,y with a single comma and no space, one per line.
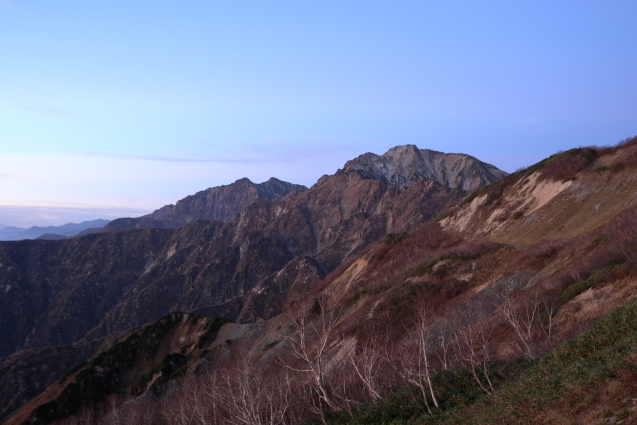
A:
117,108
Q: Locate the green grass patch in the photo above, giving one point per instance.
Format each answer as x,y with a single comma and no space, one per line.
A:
597,277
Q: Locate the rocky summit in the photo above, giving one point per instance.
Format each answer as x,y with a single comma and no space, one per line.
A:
216,203
403,165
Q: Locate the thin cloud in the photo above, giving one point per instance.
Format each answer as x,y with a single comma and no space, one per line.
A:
171,158
70,207
6,176
248,154
45,110
41,215
279,151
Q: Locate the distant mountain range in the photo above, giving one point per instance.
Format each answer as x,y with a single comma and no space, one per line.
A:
11,233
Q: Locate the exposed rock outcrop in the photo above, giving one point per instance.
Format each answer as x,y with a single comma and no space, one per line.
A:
403,165
216,203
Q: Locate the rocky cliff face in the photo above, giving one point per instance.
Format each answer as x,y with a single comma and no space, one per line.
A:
403,165
216,203
272,246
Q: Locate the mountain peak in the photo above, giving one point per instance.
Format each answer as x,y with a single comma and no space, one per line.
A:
405,164
219,203
402,150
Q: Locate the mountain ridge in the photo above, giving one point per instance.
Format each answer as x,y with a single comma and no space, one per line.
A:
219,203
243,269
11,233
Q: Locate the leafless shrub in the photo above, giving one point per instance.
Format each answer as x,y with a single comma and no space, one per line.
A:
250,398
414,358
473,347
627,157
309,343
544,251
566,165
370,364
531,317
626,235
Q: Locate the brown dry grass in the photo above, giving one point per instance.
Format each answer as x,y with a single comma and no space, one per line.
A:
612,401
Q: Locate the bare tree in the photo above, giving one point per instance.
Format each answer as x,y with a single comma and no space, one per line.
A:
549,306
472,348
193,404
445,336
309,343
242,394
369,362
415,364
627,241
521,320
530,318
342,383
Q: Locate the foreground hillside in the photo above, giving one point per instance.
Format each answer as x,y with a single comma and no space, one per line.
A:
512,306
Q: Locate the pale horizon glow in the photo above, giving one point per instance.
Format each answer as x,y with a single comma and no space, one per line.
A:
118,108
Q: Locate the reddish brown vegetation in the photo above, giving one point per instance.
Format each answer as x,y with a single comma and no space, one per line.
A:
627,157
566,165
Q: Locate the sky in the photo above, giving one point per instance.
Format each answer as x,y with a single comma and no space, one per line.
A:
112,109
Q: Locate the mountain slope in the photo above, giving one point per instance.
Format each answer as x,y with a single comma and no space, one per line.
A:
471,295
53,292
288,242
314,230
219,203
243,269
516,279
